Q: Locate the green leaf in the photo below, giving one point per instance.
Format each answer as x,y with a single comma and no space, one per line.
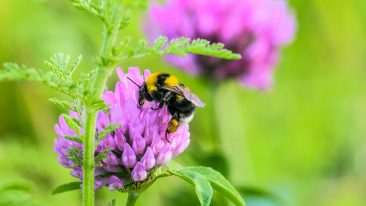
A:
179,46
59,65
79,106
12,72
201,184
101,156
72,122
183,45
219,183
64,104
126,20
75,155
99,104
71,186
100,9
122,45
160,42
73,138
107,130
74,65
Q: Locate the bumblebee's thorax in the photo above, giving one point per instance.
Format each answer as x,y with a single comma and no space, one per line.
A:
151,82
156,80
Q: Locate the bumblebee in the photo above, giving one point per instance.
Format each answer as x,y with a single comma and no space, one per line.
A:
165,89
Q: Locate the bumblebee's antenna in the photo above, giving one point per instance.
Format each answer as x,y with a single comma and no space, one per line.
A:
134,82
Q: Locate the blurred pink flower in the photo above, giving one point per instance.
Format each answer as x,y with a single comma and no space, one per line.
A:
254,28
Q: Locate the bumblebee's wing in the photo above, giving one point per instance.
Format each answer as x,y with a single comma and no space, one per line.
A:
184,91
191,97
173,89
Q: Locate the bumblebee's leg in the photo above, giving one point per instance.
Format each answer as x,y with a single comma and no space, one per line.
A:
142,98
141,103
172,127
165,99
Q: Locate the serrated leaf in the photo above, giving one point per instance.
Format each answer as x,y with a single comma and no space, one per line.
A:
107,130
126,20
178,46
73,138
121,47
71,186
79,105
160,42
201,184
74,65
219,183
75,155
101,156
100,105
12,72
63,104
59,65
100,10
72,123
202,47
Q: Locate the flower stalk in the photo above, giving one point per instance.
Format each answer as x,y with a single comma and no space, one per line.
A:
132,198
105,67
107,62
88,158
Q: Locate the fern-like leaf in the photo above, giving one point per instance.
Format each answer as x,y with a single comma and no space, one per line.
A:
179,46
59,64
100,9
58,77
65,105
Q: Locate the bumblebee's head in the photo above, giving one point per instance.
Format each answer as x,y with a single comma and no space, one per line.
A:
142,91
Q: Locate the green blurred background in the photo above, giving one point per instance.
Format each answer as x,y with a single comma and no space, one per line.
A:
303,141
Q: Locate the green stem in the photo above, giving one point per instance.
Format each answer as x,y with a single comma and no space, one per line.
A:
109,39
132,198
88,157
104,69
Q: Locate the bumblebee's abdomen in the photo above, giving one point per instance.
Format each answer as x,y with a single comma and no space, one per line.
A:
182,109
